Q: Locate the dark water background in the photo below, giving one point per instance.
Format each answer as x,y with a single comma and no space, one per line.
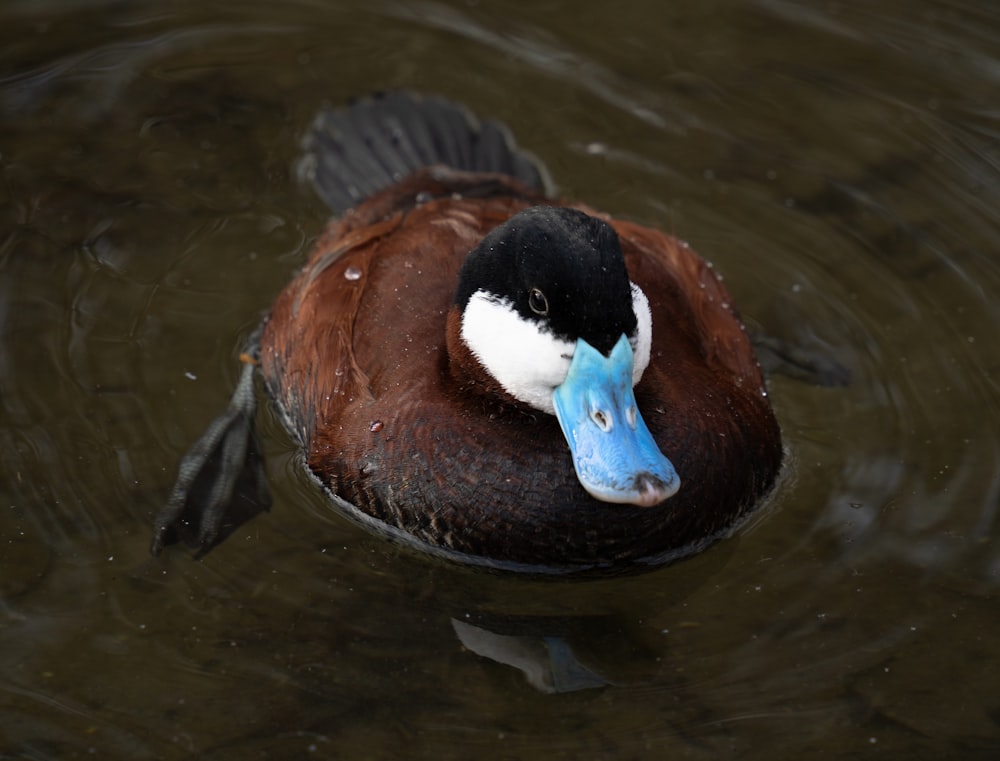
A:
838,162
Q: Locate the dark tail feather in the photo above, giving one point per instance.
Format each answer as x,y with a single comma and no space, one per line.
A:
353,152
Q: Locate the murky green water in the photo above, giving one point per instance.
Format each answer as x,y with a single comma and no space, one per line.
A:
837,161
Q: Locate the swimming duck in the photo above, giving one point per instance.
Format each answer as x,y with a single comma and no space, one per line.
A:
487,372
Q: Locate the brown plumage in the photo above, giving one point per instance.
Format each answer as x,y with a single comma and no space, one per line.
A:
359,341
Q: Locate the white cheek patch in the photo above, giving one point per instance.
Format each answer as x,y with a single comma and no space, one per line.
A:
643,341
527,362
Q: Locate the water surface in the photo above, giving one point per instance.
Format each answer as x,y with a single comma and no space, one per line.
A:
837,162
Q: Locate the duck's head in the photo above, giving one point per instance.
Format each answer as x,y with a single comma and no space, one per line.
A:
546,314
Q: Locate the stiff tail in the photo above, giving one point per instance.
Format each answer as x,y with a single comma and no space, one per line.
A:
353,152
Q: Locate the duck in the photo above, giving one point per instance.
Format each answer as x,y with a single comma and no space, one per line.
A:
482,370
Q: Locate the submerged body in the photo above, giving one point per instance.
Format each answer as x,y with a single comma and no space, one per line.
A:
379,368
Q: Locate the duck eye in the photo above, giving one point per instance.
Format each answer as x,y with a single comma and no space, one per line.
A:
537,302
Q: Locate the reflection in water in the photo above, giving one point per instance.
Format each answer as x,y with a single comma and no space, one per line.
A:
548,662
837,162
